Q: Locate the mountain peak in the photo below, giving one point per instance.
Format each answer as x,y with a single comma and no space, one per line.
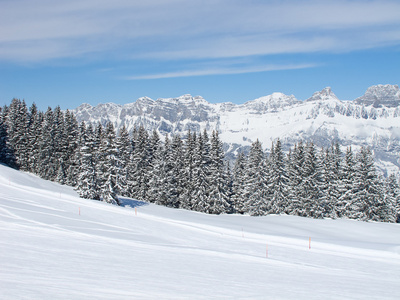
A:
378,95
325,94
184,99
272,102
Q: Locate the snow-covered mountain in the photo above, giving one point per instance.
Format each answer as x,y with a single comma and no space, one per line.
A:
372,119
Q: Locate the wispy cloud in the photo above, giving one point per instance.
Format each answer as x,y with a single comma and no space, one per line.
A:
45,30
220,71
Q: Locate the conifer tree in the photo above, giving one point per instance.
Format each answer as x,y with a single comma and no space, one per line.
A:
138,180
201,171
174,172
393,198
218,179
6,155
368,195
35,123
110,166
124,147
188,172
310,194
346,188
59,156
87,183
256,184
278,180
295,177
71,147
156,192
47,168
238,187
17,127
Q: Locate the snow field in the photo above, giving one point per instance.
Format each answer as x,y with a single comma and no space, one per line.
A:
54,245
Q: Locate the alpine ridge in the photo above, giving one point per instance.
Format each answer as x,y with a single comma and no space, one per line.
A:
371,120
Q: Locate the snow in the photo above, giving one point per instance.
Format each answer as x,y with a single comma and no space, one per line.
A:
54,245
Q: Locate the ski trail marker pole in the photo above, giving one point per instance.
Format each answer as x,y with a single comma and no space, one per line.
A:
309,243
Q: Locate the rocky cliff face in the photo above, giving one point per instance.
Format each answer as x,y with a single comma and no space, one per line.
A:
372,119
380,96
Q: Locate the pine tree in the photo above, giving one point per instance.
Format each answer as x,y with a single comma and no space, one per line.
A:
156,192
346,188
188,175
6,154
294,168
17,128
238,187
71,147
218,179
110,166
174,172
368,201
201,172
393,198
388,212
139,174
277,180
311,194
34,130
331,173
87,183
256,184
47,168
59,156
124,147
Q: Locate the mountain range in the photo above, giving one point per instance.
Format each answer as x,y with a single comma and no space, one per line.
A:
371,120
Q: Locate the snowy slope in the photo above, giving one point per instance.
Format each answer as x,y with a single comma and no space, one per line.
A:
54,245
371,120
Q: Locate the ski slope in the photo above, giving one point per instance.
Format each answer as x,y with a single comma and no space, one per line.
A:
54,245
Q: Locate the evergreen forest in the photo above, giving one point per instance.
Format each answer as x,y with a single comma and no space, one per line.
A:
192,173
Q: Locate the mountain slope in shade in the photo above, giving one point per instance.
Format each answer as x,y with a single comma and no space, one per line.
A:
371,120
55,245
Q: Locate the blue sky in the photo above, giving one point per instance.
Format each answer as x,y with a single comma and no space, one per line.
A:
69,52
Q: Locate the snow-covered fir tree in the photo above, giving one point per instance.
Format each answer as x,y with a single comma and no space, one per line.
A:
368,198
393,198
139,166
87,183
71,147
17,127
256,184
346,188
124,146
6,154
278,180
295,178
201,171
218,179
110,166
188,172
238,187
35,123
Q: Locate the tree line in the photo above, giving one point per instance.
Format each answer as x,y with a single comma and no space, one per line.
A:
192,172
